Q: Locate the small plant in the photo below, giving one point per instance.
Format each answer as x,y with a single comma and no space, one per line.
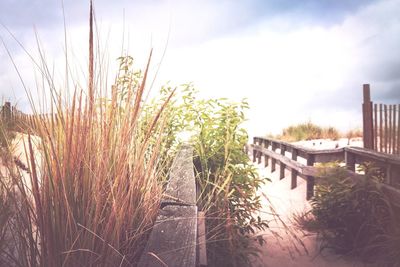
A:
355,219
227,182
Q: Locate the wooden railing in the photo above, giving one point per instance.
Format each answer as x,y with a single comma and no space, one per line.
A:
173,240
275,152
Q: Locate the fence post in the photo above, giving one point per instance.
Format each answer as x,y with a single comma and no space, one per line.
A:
6,113
293,183
281,164
254,151
273,160
368,131
310,179
350,160
266,158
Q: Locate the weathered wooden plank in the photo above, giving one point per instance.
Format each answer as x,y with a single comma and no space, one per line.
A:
394,130
293,182
367,118
350,160
375,126
310,187
181,185
380,128
390,130
370,155
386,129
201,239
273,159
172,241
310,178
291,164
266,158
398,130
325,155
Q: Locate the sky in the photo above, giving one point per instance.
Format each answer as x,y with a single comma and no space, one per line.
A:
295,61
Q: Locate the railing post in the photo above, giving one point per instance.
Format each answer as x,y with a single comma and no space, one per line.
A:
266,158
350,160
368,131
259,154
6,113
273,161
293,183
310,179
281,165
254,151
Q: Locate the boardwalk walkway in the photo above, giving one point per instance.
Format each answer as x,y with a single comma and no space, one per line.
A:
295,247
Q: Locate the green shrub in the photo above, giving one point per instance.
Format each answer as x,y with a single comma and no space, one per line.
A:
227,182
356,219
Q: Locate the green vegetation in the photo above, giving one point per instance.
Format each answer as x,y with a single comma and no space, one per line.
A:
226,180
96,174
308,131
355,219
94,183
96,170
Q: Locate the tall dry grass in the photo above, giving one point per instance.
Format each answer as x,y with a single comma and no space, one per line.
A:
308,131
94,182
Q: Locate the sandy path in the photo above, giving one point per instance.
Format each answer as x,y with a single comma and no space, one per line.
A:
286,251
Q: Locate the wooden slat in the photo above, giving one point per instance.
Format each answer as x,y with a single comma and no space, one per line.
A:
266,158
390,129
173,238
386,129
398,130
201,239
370,155
273,159
291,164
380,128
172,241
375,126
282,165
181,186
350,160
394,130
367,118
325,155
310,178
293,182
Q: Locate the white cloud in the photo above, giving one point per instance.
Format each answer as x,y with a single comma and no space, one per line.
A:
291,72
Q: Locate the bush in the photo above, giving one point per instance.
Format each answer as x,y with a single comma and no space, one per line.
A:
356,219
227,182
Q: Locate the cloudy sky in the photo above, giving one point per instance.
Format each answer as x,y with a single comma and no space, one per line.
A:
294,60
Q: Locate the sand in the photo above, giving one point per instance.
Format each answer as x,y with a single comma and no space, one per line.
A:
296,247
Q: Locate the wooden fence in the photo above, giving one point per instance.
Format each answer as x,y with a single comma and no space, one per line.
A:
276,152
381,125
19,121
